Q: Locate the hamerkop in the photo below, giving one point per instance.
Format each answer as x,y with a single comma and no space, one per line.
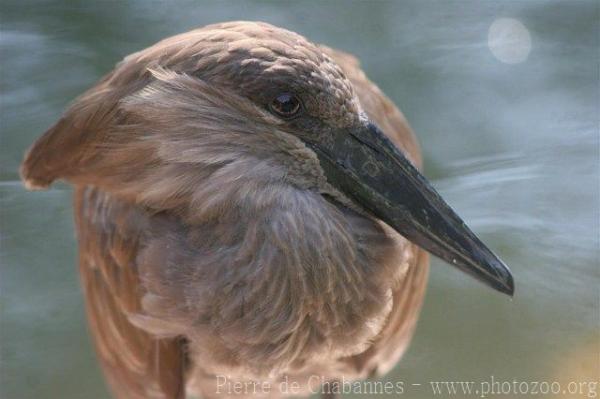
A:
249,210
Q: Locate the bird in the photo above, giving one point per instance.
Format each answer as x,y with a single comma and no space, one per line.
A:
251,215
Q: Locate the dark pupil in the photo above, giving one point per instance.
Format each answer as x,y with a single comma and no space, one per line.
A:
286,104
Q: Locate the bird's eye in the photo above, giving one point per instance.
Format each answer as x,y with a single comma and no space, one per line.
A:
286,105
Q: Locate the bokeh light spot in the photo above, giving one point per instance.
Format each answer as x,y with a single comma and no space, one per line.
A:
509,40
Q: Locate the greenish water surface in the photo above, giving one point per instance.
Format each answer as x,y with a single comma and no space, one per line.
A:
513,147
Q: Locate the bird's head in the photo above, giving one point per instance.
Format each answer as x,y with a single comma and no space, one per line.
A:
249,103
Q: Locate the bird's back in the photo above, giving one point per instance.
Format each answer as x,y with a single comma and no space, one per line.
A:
410,291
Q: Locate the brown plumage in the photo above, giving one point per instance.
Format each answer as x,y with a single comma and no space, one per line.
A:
212,241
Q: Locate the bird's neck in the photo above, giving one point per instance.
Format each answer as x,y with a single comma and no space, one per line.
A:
297,276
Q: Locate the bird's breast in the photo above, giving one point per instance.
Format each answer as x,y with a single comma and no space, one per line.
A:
273,287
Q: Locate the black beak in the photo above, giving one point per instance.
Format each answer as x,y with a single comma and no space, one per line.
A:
368,168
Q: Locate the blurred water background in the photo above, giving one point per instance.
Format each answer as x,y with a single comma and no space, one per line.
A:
513,147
